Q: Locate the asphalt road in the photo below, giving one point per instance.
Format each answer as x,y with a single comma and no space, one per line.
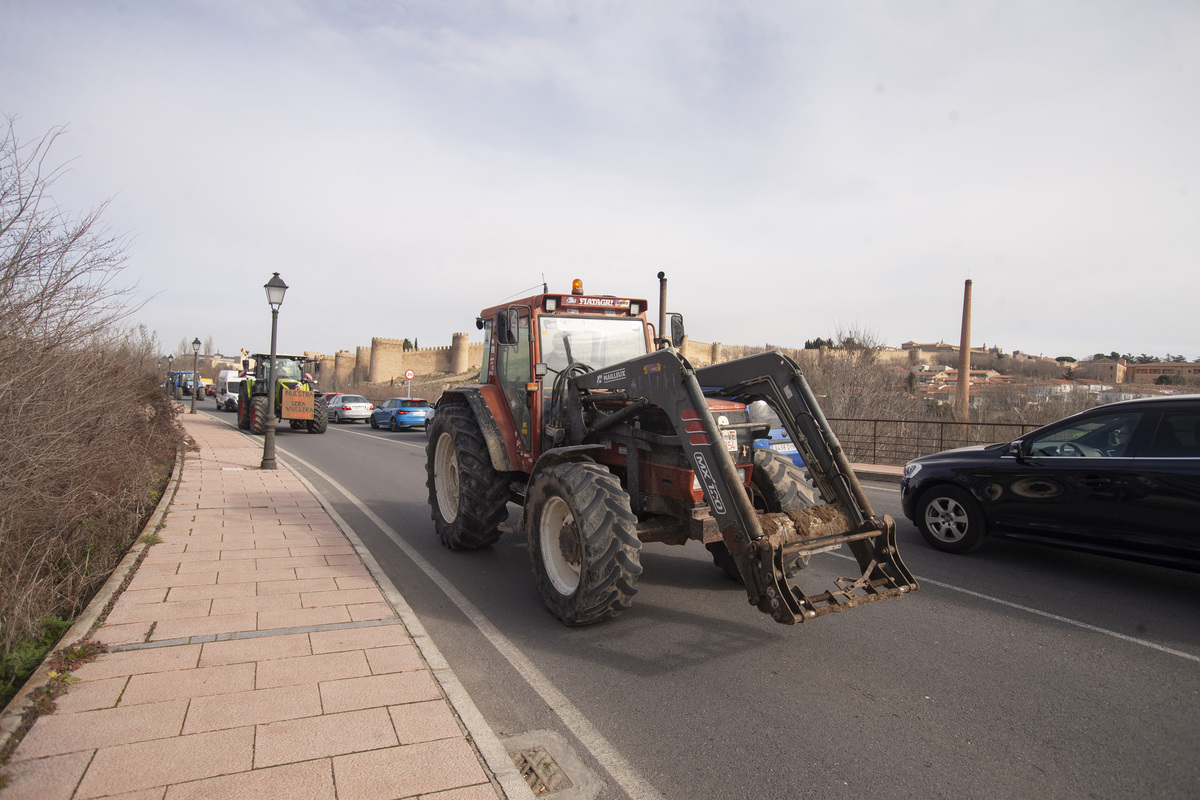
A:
1017,671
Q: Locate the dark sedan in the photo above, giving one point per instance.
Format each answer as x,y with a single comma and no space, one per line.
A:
1121,479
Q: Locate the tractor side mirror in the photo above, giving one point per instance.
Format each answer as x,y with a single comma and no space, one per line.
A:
506,326
245,365
677,332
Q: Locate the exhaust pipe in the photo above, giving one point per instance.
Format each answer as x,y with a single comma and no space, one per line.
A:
662,305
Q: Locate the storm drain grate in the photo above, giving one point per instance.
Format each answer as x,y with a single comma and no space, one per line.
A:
541,771
551,767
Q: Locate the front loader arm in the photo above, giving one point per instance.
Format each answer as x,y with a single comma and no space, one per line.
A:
760,542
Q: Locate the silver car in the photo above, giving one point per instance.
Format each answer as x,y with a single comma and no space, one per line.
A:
350,408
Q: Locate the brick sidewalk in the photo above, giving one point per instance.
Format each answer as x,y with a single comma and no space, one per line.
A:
253,655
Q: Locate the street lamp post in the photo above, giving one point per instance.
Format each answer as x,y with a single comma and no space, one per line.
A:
170,369
275,291
195,375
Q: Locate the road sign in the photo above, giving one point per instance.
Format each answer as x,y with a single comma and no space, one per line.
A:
409,374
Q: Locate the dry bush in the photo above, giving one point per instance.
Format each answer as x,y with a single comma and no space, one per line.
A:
87,437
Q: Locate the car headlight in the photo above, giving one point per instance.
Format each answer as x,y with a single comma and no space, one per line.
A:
911,469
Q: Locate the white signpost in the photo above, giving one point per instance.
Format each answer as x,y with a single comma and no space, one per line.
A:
408,376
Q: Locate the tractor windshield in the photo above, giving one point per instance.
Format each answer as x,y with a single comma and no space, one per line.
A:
594,342
287,369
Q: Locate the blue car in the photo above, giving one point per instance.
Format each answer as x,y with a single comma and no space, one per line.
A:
400,413
778,440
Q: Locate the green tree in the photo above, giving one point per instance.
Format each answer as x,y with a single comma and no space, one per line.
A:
1170,380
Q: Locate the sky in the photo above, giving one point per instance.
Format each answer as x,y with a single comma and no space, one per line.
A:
797,169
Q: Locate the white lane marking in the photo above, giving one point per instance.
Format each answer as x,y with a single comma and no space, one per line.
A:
385,439
1065,620
601,749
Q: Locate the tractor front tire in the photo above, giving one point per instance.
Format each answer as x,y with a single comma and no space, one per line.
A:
178,393
776,485
468,498
583,542
258,415
320,421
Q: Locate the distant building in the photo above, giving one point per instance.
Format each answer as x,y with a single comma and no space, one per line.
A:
1149,373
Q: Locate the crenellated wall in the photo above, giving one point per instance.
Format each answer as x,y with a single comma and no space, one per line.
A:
343,370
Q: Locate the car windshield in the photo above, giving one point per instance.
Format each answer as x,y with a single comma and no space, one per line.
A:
351,398
596,343
414,404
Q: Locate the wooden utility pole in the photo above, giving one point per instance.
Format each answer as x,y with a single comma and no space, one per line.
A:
964,358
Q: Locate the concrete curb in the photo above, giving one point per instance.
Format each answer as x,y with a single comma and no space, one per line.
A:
13,714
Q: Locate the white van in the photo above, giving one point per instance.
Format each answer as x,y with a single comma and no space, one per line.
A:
229,382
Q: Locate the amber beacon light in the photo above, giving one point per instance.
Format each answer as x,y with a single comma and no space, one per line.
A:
577,286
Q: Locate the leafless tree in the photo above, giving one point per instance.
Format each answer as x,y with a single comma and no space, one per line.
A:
86,432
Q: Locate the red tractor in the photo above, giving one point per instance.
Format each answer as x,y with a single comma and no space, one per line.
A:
607,437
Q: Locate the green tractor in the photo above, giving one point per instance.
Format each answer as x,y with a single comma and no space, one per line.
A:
295,399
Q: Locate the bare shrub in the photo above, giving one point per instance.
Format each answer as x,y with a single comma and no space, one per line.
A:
87,436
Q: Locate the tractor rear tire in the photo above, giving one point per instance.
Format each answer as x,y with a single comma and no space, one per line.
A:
583,542
468,498
320,421
776,485
258,415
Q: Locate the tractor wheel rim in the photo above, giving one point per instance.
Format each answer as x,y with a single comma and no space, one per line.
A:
558,538
445,477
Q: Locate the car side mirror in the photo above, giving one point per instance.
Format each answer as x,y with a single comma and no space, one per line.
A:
1016,449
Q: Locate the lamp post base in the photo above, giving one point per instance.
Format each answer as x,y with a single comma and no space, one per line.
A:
268,460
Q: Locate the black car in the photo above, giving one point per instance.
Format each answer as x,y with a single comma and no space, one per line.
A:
1121,479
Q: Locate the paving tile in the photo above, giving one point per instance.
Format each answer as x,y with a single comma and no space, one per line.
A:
359,638
51,778
352,569
424,722
393,688
215,565
302,617
137,662
406,771
152,580
289,562
203,626
311,669
212,591
187,683
311,780
400,658
296,585
125,613
90,695
264,648
341,597
365,612
257,604
133,633
140,596
239,709
481,791
255,575
357,582
56,734
320,737
144,765
255,552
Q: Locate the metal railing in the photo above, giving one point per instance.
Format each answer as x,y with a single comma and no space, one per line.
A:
896,441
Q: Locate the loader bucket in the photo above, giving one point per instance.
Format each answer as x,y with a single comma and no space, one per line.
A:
802,534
